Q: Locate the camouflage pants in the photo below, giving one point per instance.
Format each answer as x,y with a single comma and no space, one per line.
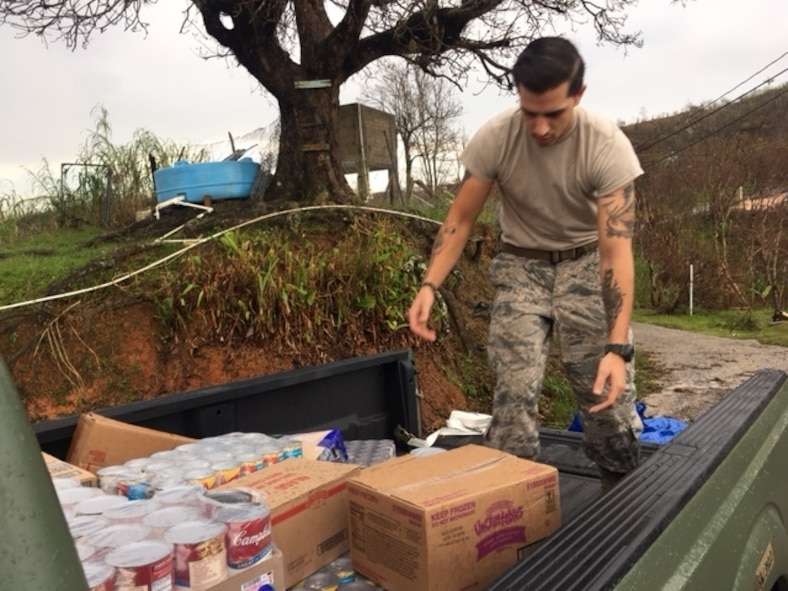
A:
535,299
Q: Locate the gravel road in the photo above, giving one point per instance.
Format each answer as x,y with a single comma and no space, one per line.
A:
701,369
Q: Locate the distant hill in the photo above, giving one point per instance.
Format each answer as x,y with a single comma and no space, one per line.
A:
759,119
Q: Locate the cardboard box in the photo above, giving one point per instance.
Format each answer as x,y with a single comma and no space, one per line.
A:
60,469
309,511
99,442
269,571
449,521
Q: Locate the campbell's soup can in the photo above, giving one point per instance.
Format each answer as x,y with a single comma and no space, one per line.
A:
100,576
248,534
117,535
164,518
82,526
213,500
142,566
85,551
200,555
322,581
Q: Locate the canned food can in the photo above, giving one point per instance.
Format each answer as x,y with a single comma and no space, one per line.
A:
251,460
166,517
168,455
85,551
184,494
66,483
107,473
100,576
129,482
69,497
100,504
142,566
248,533
291,448
138,463
271,455
200,554
189,448
166,482
159,467
322,581
213,500
226,470
358,586
203,476
82,526
132,511
342,567
117,535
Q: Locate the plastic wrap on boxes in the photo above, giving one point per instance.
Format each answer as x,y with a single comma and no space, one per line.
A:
370,451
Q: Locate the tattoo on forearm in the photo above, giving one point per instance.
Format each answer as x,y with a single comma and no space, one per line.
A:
439,239
612,298
621,214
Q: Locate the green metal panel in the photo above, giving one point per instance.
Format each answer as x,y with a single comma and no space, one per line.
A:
36,549
732,534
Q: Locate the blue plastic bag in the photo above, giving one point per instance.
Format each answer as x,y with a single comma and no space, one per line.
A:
655,429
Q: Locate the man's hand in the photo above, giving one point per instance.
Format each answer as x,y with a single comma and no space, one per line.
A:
419,314
612,372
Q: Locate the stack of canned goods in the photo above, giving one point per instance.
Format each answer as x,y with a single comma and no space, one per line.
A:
338,575
184,537
209,462
155,524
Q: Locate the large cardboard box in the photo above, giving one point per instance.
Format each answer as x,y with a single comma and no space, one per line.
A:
60,469
99,442
309,511
451,521
267,574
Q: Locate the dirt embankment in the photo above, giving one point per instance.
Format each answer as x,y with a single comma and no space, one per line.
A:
700,369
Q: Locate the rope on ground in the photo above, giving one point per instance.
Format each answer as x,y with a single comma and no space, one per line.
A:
193,243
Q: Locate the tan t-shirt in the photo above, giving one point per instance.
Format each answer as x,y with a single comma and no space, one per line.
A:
550,193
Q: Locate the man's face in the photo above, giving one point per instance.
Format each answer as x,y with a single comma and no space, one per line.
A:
547,116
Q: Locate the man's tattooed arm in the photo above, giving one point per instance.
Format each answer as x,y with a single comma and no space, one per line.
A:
612,298
616,229
621,214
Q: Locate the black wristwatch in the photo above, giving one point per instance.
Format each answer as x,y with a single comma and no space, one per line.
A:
626,352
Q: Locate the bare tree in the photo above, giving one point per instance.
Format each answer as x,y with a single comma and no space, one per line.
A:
426,110
302,51
439,140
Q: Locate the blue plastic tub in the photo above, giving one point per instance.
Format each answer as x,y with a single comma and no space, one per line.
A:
230,179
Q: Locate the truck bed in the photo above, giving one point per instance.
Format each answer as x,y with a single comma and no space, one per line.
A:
371,397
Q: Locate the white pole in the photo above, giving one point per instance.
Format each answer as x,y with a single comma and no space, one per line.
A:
690,289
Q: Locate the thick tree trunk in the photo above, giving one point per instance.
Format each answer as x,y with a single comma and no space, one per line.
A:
309,168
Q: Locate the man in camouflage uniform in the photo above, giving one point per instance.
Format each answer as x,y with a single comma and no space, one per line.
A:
566,266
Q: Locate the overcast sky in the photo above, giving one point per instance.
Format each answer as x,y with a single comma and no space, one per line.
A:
159,83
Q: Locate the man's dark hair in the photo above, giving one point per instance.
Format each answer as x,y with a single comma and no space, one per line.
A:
547,63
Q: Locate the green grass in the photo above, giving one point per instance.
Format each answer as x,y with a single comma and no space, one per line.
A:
30,265
738,324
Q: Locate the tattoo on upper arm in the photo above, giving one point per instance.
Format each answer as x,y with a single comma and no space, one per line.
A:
612,298
621,214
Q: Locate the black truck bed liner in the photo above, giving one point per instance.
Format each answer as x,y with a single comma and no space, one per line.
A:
596,549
